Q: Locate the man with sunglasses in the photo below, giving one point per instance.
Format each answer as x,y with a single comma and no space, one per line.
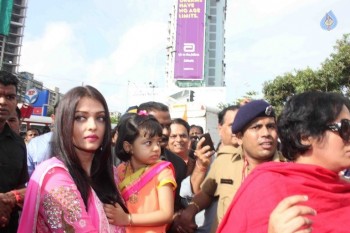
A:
306,194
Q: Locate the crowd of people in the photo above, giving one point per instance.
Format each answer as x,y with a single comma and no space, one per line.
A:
152,173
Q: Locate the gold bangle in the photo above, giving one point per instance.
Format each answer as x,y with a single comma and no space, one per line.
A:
196,205
130,219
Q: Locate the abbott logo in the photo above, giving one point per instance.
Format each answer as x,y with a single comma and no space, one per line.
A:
189,47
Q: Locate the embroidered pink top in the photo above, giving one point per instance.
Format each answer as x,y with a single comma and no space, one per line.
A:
54,204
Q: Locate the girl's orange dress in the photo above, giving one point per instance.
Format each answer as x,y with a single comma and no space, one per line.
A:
140,190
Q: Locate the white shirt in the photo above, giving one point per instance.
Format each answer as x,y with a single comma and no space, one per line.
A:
38,150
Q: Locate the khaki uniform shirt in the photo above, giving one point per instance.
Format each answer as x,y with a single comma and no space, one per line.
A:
224,178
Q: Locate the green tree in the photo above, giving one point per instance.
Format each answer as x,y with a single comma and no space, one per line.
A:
248,96
333,76
114,120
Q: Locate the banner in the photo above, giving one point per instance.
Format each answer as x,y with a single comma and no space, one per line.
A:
42,103
5,16
189,50
39,100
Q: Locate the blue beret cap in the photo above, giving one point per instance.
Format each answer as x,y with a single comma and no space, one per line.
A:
250,111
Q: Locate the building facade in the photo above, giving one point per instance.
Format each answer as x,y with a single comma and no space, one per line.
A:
185,20
10,45
27,81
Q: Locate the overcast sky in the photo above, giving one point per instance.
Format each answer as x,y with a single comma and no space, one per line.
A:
111,44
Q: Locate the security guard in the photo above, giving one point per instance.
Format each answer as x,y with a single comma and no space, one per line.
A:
255,128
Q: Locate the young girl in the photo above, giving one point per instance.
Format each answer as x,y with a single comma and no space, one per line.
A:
146,183
65,193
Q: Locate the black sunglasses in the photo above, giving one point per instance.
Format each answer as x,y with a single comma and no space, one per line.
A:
342,127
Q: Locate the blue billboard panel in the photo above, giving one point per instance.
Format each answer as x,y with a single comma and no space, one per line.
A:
42,102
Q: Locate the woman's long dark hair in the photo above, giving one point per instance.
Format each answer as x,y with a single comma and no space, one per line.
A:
101,178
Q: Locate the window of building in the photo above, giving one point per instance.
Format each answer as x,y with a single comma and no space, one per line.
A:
211,62
212,72
211,54
211,81
212,45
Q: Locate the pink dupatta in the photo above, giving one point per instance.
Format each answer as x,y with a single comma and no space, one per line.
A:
29,219
144,179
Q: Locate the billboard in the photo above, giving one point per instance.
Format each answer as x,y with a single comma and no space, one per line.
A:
189,50
39,101
5,16
42,103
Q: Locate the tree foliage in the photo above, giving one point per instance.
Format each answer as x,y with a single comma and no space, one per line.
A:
248,96
333,76
114,120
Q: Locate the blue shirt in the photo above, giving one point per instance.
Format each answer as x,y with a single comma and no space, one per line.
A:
38,150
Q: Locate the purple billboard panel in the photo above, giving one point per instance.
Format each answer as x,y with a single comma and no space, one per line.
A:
189,56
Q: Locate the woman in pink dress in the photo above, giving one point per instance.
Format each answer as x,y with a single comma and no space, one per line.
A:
66,192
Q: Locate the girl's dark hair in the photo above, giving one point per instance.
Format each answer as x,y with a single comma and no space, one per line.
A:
305,115
130,127
101,178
